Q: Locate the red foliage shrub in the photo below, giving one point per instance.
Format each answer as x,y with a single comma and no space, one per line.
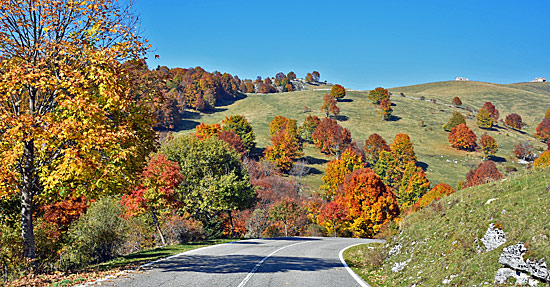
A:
525,151
456,101
233,139
487,171
514,121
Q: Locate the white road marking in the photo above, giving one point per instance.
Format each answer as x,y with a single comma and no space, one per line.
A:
355,276
262,261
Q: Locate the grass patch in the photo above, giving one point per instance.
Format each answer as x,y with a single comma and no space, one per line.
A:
442,163
440,240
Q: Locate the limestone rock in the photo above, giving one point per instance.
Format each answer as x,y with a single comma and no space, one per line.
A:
398,266
493,238
512,256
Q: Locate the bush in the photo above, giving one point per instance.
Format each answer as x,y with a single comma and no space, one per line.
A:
11,249
179,229
96,236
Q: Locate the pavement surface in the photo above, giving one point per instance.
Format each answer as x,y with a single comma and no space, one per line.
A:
296,261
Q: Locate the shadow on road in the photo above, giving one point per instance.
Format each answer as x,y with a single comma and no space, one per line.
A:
244,263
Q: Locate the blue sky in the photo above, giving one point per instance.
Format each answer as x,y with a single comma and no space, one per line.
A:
359,44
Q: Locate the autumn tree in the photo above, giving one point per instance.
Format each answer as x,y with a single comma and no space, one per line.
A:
547,114
70,121
514,121
242,128
492,111
284,210
337,170
402,149
378,94
204,131
525,151
333,216
373,146
487,171
462,137
414,185
543,130
307,129
155,192
457,102
456,119
291,75
338,92
488,145
309,78
437,192
233,140
543,160
329,106
369,201
282,123
215,180
484,119
331,138
385,110
316,76
268,81
285,149
391,164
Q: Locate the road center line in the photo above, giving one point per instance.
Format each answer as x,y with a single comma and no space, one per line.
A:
262,261
355,276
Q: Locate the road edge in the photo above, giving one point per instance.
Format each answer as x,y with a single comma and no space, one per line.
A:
357,278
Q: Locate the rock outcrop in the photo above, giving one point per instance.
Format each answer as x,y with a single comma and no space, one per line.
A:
525,272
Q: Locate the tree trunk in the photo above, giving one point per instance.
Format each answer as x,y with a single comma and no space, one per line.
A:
286,230
231,225
28,184
157,226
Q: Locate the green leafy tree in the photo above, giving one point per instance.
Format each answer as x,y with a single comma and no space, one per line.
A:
456,119
215,178
73,119
307,129
413,186
484,119
242,128
378,94
338,92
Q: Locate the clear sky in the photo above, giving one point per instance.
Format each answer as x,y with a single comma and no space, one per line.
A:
359,44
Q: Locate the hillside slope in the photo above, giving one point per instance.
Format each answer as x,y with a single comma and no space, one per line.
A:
442,241
442,163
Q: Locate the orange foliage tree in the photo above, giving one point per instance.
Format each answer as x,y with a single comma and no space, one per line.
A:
487,171
462,137
514,121
285,149
338,92
543,160
378,94
233,140
373,146
307,129
316,76
337,170
413,186
61,74
457,102
63,213
385,110
437,192
543,130
309,78
370,202
329,106
331,138
402,149
333,217
204,131
280,122
488,145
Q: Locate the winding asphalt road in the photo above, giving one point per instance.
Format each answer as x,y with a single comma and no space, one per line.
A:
296,261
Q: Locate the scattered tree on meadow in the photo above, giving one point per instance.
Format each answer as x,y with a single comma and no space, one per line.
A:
488,145
484,119
369,201
456,119
373,146
155,192
543,130
61,75
250,87
242,128
337,170
329,106
457,102
307,129
215,180
543,160
525,151
331,138
437,192
204,131
267,88
309,78
316,76
288,88
333,217
385,110
514,121
462,137
338,92
487,171
492,111
291,75
378,94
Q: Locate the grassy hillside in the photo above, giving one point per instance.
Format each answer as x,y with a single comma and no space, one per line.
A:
440,239
442,163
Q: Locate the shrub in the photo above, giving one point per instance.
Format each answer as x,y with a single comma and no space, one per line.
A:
487,171
514,121
488,145
96,236
439,191
525,151
338,92
457,102
179,229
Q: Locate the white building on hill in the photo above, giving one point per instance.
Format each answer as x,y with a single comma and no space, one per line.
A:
539,80
461,79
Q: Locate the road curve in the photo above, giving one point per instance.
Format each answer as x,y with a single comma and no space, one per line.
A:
296,261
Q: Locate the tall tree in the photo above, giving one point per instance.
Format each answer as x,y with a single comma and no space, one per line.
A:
462,137
329,106
378,94
373,146
338,92
484,119
285,149
307,129
241,127
337,170
70,121
385,110
331,138
492,111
